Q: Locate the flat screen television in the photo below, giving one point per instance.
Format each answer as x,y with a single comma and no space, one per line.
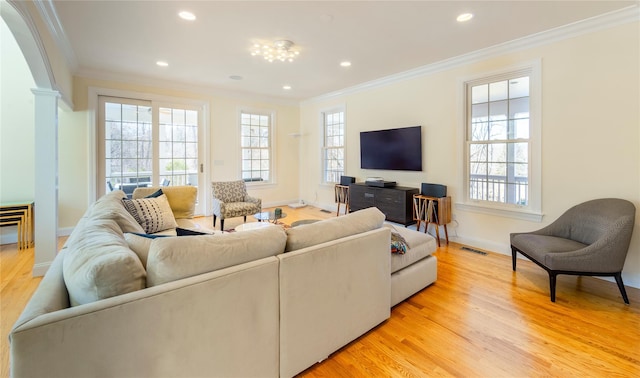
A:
392,149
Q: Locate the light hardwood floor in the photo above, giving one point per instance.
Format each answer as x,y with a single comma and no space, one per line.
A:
479,319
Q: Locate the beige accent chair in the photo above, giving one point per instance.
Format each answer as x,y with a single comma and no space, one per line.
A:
230,200
589,239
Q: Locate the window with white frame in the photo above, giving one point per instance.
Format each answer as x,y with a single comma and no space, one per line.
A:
256,129
499,141
333,146
143,143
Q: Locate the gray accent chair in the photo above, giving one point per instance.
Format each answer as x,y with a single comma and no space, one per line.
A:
230,200
589,239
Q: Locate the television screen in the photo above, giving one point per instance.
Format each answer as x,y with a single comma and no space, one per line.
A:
392,149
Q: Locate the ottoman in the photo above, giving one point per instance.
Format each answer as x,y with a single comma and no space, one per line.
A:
415,269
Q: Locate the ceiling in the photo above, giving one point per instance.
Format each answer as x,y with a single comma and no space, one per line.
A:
124,39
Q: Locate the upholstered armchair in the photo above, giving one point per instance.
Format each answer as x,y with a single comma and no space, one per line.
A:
589,239
230,200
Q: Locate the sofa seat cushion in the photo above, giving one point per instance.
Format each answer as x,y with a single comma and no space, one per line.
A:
171,259
335,228
539,246
420,246
236,209
98,263
153,214
182,198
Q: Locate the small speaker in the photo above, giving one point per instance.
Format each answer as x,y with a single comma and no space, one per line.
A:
346,180
434,190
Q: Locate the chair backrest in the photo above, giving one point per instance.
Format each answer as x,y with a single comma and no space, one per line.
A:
229,191
589,221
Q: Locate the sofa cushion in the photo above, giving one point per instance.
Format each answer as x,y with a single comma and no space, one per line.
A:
171,259
334,228
140,243
98,264
110,206
153,214
419,246
182,199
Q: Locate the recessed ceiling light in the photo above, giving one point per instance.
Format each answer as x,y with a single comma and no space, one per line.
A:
162,63
286,87
185,15
464,17
235,77
345,64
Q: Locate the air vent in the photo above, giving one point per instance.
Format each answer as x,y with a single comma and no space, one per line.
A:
474,251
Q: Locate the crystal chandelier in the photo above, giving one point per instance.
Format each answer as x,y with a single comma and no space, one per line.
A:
278,50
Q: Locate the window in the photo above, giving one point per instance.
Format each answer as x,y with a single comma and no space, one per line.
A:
256,146
178,138
502,152
128,148
333,146
141,143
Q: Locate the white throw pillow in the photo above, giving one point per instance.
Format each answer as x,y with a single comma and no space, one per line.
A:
153,214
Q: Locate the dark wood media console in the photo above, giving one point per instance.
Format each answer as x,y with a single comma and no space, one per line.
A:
395,202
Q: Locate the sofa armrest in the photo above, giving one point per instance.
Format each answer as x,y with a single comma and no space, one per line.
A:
330,294
218,207
223,323
50,296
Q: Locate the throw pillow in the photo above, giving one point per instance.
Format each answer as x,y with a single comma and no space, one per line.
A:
398,243
153,214
155,194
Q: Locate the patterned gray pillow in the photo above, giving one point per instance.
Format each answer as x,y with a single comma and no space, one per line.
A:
153,214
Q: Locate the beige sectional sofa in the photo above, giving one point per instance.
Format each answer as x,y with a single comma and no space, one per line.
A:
261,303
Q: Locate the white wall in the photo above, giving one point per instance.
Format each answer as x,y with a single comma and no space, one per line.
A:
17,159
590,132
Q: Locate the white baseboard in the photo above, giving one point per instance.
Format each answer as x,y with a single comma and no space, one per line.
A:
40,269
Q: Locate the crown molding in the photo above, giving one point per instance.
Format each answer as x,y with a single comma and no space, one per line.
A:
177,86
590,25
48,13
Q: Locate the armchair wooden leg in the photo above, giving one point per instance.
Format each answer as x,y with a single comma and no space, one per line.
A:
618,277
552,286
245,219
221,224
214,221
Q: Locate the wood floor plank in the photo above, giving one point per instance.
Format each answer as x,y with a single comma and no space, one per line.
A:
479,319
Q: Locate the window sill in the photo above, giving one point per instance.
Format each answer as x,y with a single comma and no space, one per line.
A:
515,213
260,184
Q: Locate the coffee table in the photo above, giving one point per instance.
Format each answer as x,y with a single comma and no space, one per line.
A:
269,216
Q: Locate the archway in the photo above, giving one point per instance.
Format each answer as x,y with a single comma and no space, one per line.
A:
18,19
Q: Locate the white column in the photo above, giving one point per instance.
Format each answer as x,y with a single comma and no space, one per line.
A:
46,179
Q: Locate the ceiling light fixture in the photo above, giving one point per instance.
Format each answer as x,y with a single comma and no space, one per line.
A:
162,63
279,50
185,15
464,17
286,87
345,64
